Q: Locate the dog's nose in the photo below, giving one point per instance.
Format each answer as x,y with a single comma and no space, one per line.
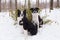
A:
21,13
35,12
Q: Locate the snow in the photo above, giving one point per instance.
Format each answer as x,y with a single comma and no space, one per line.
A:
9,31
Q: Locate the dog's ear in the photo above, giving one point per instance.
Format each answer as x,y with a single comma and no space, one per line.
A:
18,12
37,8
24,12
31,9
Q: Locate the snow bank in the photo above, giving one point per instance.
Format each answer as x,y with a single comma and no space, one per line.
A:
8,31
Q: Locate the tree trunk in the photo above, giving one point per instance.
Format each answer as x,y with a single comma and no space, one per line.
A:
5,6
25,5
51,4
0,5
37,3
28,4
10,5
15,4
57,3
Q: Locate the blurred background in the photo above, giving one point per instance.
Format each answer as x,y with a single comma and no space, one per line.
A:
6,5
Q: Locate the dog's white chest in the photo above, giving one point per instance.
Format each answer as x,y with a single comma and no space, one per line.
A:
35,17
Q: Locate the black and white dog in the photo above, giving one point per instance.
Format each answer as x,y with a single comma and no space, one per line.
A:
36,16
31,27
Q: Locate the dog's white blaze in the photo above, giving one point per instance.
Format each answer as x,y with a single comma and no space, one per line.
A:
35,18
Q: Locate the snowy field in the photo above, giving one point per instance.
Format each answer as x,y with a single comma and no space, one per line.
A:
9,31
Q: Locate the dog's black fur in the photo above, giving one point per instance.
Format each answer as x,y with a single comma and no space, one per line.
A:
19,12
40,21
29,26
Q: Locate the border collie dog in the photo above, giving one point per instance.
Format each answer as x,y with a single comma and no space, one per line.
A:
36,17
31,27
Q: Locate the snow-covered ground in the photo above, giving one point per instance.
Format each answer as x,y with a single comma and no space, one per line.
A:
9,31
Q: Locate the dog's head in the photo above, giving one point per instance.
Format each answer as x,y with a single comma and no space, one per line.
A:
34,10
19,12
